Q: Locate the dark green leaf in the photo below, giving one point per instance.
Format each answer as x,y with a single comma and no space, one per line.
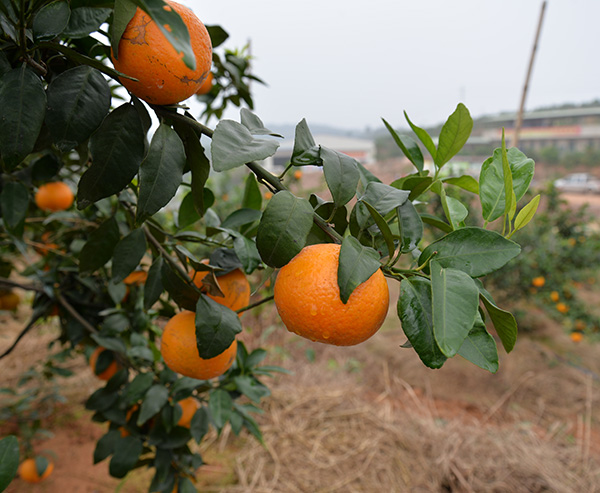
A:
357,263
415,311
455,300
408,146
341,175
14,201
251,387
454,135
78,101
383,227
127,452
138,387
475,251
101,400
366,176
283,229
416,184
199,424
117,149
423,136
85,20
436,222
216,327
153,287
217,34
127,254
181,292
254,124
4,64
480,348
106,445
23,103
124,10
233,145
504,322
160,172
198,164
252,197
241,217
9,460
246,251
305,150
187,213
41,464
100,246
51,20
410,226
220,407
383,198
154,400
185,486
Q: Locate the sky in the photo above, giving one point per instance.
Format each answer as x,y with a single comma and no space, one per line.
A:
348,63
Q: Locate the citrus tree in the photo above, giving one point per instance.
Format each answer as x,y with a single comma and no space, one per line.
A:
97,153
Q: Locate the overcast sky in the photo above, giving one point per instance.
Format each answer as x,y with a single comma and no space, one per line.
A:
348,63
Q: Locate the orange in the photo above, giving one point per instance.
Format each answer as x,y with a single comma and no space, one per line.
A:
136,278
54,196
307,297
28,471
538,282
268,195
206,85
554,296
576,336
9,301
298,174
147,55
178,348
562,308
109,372
189,406
234,285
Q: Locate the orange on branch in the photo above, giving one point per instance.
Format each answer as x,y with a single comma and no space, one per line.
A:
307,297
179,350
538,282
206,85
28,471
234,285
554,296
136,278
54,196
576,336
146,54
106,374
189,406
9,300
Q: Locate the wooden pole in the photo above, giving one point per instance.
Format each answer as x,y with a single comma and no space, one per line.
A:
518,124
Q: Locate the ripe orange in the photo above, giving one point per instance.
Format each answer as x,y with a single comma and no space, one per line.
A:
538,282
268,195
146,54
178,348
206,85
9,300
189,406
554,296
109,372
307,297
234,285
54,196
28,471
298,174
136,278
576,336
562,308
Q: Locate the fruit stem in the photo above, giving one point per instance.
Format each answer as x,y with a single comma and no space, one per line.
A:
254,305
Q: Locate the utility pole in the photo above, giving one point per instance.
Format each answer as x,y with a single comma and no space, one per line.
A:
515,139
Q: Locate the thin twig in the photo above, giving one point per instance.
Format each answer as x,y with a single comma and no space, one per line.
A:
166,255
4,282
76,315
254,305
22,334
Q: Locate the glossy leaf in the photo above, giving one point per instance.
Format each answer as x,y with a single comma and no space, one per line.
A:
117,150
14,201
423,136
181,292
475,251
454,135
153,287
408,146
220,406
504,322
127,254
99,247
106,445
252,198
127,453
415,312
457,210
23,103
283,229
384,198
123,12
51,20
341,175
9,460
480,348
383,227
155,399
410,226
217,34
455,300
216,327
466,182
85,20
233,145
526,214
357,263
435,222
251,388
247,252
415,184
160,172
305,151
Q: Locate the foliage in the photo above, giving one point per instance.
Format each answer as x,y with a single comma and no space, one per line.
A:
64,119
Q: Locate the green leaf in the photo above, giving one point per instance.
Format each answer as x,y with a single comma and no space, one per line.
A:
466,182
185,486
284,228
341,175
408,146
423,136
51,20
9,460
455,300
383,227
127,254
254,124
491,181
138,387
154,400
241,217
187,213
435,222
160,172
366,176
41,464
305,151
233,145
124,10
100,246
23,103
454,135
357,263
153,287
415,183
246,251
458,212
509,197
85,20
480,348
415,312
504,322
117,149
220,407
251,387
252,197
199,424
383,198
14,201
181,292
78,101
4,64
216,327
410,226
106,445
475,251
127,453
172,26
526,214
217,34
